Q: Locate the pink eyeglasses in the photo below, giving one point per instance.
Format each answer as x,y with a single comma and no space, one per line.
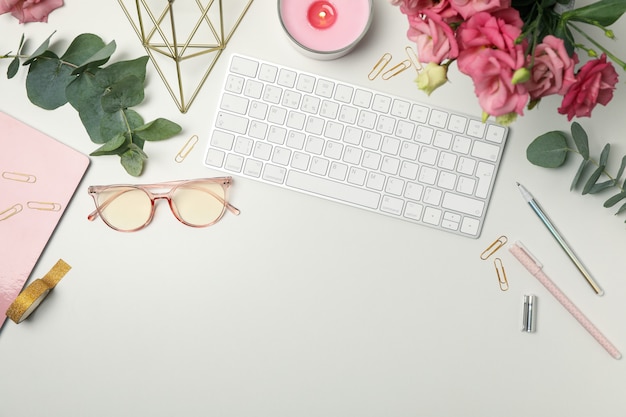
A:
128,208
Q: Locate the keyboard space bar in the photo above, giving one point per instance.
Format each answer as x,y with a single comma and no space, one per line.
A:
333,189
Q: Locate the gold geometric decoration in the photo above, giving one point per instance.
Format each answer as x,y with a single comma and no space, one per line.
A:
172,36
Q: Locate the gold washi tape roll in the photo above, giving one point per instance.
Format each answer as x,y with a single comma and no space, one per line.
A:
36,292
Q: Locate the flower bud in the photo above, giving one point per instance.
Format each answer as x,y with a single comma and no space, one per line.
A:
609,34
432,77
520,76
506,119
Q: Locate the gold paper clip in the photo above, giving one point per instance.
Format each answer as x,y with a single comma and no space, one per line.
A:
43,205
413,58
18,176
187,147
11,211
502,281
491,249
397,69
380,66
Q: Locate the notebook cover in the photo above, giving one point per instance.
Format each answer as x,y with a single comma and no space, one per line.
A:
38,176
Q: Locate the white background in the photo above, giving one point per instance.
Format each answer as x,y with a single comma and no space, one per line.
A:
303,307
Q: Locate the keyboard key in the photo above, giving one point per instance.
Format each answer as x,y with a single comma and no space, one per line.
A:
274,173
362,98
232,122
222,140
336,190
268,73
287,78
392,205
305,83
484,172
244,66
343,93
463,204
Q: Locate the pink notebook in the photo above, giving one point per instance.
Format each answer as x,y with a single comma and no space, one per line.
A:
38,176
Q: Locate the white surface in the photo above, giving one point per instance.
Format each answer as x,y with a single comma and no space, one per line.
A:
302,307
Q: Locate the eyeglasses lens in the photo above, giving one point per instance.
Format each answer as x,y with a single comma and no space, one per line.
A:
124,208
199,203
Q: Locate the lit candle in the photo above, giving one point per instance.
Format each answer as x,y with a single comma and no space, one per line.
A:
325,29
321,15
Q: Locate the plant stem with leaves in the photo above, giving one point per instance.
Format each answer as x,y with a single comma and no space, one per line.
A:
103,96
551,149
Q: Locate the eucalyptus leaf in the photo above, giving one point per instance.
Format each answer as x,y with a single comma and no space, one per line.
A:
99,58
39,51
601,186
580,139
125,93
615,199
158,129
621,209
592,179
133,161
602,12
83,93
14,66
112,124
620,172
46,81
122,69
112,147
548,150
579,173
604,155
82,48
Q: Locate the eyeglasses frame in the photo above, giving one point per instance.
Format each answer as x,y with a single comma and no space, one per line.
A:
225,182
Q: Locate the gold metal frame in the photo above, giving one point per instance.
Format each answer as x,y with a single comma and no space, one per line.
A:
152,27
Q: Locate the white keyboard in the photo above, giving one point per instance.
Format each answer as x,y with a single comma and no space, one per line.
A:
354,145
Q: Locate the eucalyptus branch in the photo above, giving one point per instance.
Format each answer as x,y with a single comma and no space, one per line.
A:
550,150
102,95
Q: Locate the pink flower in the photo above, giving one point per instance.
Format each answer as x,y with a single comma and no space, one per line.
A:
468,8
552,69
30,10
594,84
491,71
412,7
434,38
491,30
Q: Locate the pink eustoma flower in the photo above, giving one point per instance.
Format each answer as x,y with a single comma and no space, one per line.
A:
552,69
30,10
594,84
434,38
468,8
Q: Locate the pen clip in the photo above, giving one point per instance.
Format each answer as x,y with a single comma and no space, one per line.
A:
523,248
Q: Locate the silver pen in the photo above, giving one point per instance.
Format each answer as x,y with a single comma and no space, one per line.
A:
546,221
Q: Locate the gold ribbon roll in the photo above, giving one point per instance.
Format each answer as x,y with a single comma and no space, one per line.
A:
36,292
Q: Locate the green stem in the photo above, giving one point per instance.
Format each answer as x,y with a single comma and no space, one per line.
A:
602,48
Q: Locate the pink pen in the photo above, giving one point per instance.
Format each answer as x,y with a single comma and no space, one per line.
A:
535,268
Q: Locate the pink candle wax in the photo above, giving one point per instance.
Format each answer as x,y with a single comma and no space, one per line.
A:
325,29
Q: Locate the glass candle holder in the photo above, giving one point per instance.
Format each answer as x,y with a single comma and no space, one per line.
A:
325,29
